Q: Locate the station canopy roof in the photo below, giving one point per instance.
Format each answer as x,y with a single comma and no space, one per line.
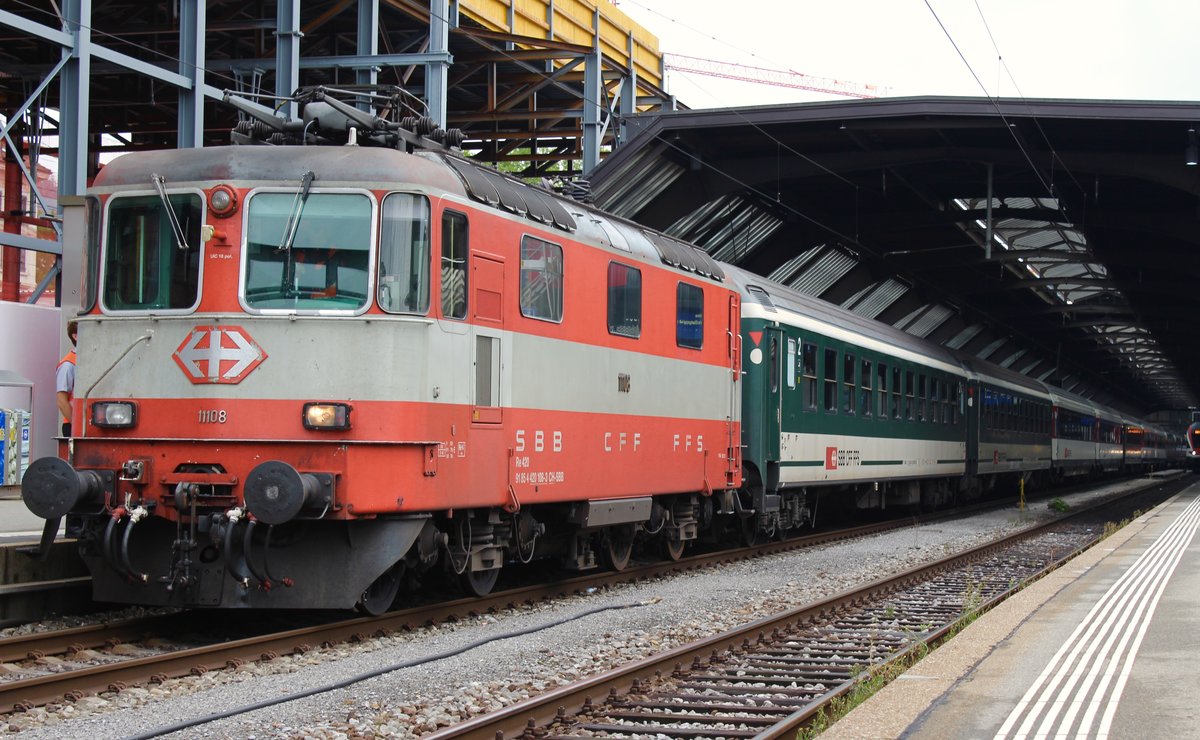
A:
882,206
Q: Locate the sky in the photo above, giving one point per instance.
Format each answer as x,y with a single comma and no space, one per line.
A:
1102,49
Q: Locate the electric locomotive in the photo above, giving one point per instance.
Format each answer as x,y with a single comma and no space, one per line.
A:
308,372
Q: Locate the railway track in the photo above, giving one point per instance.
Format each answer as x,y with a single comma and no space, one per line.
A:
772,677
68,664
50,667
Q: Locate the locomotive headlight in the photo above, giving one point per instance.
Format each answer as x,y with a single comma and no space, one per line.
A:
222,201
114,413
326,415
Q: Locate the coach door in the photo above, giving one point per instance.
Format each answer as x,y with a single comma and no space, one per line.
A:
487,281
971,407
775,351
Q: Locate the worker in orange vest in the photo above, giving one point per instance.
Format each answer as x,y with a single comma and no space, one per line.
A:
65,379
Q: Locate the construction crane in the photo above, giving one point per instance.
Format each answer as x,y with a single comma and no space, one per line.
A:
765,76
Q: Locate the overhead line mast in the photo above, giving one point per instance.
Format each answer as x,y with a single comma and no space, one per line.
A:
766,76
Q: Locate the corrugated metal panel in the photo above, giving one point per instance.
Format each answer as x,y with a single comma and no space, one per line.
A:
1025,370
964,336
729,228
988,350
788,270
825,271
878,298
935,317
626,195
1008,361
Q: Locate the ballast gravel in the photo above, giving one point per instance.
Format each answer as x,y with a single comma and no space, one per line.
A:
419,700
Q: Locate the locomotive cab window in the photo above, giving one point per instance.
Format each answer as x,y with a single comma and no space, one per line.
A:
624,300
146,266
308,253
91,253
404,254
689,316
541,279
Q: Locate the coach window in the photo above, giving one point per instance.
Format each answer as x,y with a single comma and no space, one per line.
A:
849,365
896,392
314,253
689,316
809,370
790,369
922,398
935,401
148,266
541,279
624,300
831,358
865,402
404,244
454,265
882,376
909,392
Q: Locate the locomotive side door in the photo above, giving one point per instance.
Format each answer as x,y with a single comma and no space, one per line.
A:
487,281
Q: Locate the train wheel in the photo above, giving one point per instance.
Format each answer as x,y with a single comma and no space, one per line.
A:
672,549
618,546
379,596
480,582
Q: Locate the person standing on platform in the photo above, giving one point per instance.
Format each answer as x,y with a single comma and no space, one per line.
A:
65,379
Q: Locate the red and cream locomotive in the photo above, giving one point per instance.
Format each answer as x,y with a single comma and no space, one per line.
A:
305,371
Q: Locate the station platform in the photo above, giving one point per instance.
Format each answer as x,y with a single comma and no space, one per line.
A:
16,521
1106,647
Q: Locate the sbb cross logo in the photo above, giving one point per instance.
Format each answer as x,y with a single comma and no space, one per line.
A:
218,354
831,459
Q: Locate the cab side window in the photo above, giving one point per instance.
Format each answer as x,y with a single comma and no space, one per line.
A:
454,265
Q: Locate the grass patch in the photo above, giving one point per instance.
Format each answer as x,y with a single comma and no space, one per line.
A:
880,676
1058,505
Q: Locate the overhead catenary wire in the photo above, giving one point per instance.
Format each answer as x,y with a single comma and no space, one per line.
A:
1048,187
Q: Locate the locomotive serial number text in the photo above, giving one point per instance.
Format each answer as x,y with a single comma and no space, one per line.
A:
212,416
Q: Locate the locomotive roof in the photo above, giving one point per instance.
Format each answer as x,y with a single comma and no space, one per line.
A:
285,164
436,171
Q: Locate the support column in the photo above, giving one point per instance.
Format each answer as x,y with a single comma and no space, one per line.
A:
74,100
368,45
10,288
287,52
628,94
191,66
592,64
437,74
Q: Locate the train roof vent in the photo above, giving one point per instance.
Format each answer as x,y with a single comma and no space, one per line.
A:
498,191
761,297
685,256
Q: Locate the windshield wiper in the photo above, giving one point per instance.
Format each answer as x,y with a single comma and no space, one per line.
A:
160,184
287,278
293,224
